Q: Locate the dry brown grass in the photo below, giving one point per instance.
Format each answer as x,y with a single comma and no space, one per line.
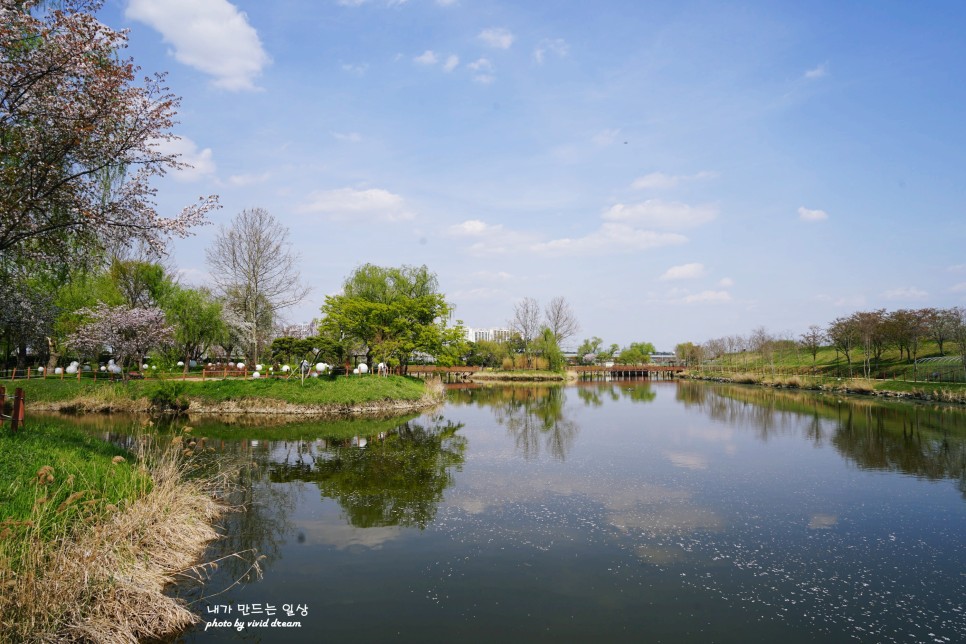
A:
105,582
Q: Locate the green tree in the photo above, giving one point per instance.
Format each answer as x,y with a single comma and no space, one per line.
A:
393,312
636,353
589,346
546,346
197,319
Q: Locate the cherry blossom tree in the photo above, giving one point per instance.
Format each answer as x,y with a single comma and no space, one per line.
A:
125,332
79,137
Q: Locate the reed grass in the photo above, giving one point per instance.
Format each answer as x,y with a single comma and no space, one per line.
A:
80,569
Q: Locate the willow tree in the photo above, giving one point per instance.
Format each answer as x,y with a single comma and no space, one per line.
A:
393,312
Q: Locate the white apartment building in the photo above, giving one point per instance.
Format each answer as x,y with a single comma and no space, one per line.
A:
492,334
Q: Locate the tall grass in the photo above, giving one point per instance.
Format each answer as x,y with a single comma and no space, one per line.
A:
77,567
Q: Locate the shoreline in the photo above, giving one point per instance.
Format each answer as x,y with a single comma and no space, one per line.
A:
432,396
849,386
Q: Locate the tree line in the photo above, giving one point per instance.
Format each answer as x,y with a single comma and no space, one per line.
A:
861,338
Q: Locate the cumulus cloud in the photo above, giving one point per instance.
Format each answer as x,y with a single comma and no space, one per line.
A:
905,293
556,46
201,162
452,61
497,37
662,181
473,228
483,69
212,36
684,272
817,72
428,57
806,214
656,213
726,282
373,204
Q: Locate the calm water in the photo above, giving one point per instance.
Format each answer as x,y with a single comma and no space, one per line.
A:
664,512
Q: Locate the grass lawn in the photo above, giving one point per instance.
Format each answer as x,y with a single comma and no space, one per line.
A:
53,477
315,391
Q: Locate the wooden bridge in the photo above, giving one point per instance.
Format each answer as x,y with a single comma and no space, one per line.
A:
626,371
584,372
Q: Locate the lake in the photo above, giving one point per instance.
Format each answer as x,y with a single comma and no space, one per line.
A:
609,511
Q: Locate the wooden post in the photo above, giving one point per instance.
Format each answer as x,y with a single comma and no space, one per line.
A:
16,416
14,376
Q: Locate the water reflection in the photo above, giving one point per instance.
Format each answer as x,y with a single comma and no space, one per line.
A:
391,479
912,439
533,416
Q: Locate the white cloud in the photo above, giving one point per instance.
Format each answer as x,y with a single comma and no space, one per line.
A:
662,181
905,293
806,214
708,296
605,137
212,36
497,37
684,272
662,214
452,61
201,162
557,46
355,68
817,72
958,288
446,3
473,228
349,137
491,276
242,180
610,237
365,205
484,71
428,57
726,282
956,268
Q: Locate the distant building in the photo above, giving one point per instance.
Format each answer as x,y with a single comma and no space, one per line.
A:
663,357
492,334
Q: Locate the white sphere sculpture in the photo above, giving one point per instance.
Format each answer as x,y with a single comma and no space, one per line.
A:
58,371
241,365
255,374
285,367
320,366
180,363
144,367
103,368
363,368
192,363
72,368
356,370
259,367
40,369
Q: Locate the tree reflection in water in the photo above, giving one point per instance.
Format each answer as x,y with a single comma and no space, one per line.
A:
394,478
927,441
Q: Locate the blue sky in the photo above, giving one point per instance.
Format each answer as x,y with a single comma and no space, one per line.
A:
677,170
